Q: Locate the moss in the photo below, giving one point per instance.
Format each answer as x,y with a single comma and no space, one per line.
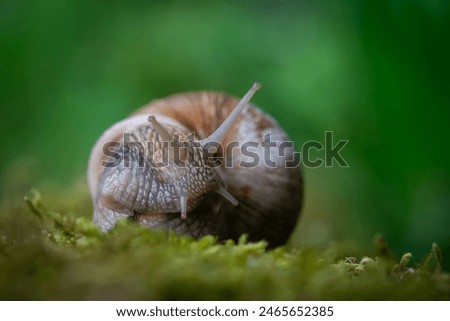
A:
57,256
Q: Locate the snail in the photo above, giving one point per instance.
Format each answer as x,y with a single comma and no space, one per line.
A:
191,181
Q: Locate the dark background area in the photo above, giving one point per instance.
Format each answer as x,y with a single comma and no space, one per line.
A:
374,72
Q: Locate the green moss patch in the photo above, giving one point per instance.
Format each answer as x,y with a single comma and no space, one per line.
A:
62,257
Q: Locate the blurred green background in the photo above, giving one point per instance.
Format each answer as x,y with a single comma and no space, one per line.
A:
373,72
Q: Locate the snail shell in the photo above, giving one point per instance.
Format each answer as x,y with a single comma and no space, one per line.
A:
198,199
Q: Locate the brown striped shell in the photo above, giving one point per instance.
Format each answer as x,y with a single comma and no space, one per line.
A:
268,198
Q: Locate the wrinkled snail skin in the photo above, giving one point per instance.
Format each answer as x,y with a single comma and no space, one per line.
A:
195,200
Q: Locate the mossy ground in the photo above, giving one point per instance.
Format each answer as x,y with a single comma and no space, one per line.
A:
54,256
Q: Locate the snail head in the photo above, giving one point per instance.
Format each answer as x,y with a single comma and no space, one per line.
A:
189,169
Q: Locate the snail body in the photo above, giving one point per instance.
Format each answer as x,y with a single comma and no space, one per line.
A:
203,196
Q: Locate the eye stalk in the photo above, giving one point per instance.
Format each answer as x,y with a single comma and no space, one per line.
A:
165,135
223,129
